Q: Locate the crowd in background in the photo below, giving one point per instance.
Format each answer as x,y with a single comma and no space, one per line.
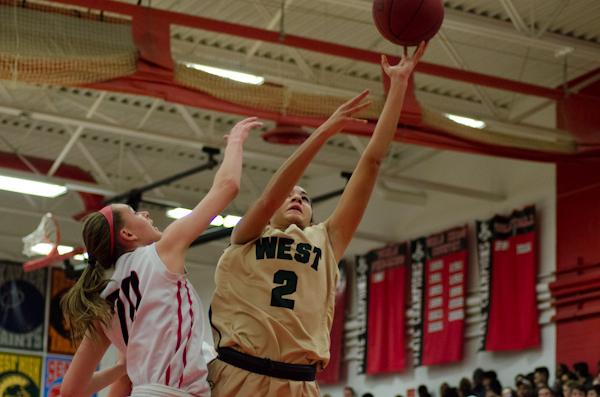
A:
575,382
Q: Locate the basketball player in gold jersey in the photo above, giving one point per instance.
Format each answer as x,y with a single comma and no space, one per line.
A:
275,285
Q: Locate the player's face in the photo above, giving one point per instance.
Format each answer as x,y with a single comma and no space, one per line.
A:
296,209
138,227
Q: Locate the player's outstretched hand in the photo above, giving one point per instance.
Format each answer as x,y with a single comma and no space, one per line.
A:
346,112
240,131
407,63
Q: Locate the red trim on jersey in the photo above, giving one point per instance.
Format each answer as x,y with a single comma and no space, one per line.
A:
168,376
179,316
189,336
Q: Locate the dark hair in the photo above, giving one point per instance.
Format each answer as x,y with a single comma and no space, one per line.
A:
478,376
450,392
83,306
581,368
544,371
465,387
367,395
595,388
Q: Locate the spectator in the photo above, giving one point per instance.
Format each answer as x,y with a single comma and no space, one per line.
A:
525,388
578,391
367,395
349,392
478,389
422,391
465,389
541,375
582,372
568,386
443,388
508,392
594,391
561,369
491,382
545,391
450,392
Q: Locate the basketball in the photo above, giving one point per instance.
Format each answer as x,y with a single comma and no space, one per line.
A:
408,22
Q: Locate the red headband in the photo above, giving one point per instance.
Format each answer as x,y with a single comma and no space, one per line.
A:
108,214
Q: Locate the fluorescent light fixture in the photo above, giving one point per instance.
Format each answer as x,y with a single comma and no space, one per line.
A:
81,257
469,122
219,220
27,186
177,213
231,220
228,74
45,248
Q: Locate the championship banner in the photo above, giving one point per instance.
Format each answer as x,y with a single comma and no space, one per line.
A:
58,333
20,375
22,304
362,305
439,281
331,374
56,368
386,350
507,255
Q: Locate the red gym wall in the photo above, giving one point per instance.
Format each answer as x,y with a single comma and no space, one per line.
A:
577,287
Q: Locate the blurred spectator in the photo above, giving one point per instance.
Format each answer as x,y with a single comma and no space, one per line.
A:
594,391
367,395
478,389
422,391
508,392
349,392
568,387
582,372
541,375
578,391
525,388
465,389
545,391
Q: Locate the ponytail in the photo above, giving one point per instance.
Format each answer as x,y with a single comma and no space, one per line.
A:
84,309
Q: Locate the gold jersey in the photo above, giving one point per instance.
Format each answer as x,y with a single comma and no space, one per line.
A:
275,296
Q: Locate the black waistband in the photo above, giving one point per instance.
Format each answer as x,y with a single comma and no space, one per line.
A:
264,366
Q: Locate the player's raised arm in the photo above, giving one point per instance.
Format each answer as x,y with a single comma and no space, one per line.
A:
178,236
288,174
347,215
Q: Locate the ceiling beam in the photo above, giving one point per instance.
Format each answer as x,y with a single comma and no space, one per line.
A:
249,153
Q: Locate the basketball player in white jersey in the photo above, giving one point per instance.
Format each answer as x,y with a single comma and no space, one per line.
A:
135,295
275,285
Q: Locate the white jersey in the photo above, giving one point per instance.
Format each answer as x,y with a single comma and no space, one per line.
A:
158,324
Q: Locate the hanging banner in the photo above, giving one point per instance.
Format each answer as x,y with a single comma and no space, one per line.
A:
332,373
386,350
22,304
20,375
59,340
56,368
439,283
507,256
362,305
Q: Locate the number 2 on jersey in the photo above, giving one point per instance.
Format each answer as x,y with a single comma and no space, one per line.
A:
288,281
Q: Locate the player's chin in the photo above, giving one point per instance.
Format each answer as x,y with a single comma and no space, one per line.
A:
297,219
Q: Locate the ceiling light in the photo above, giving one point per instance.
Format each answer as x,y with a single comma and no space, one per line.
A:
469,122
177,213
219,220
231,220
228,74
45,248
81,257
27,186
